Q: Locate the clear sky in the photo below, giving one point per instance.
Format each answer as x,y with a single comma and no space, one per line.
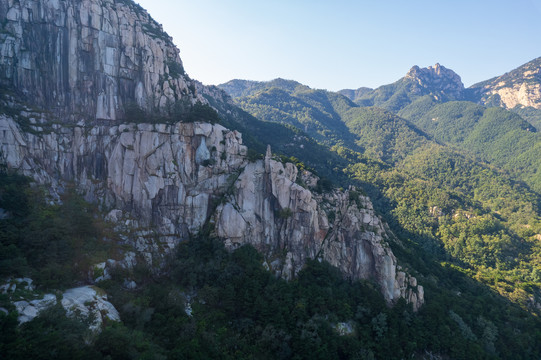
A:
338,44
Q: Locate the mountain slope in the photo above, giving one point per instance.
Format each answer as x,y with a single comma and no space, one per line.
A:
165,175
495,135
390,152
437,81
518,90
427,98
520,87
315,112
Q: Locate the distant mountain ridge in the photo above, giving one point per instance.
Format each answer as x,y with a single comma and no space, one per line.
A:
238,88
519,87
437,81
518,90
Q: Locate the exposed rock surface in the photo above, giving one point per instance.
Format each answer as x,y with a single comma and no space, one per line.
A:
88,301
85,60
13,284
89,58
28,310
150,171
520,87
437,78
345,328
289,224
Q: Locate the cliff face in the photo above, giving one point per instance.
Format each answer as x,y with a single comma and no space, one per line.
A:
519,87
290,224
160,174
68,63
437,79
174,179
89,59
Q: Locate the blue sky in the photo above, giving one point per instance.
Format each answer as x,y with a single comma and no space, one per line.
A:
337,44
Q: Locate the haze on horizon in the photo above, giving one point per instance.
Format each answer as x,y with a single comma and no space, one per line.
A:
347,43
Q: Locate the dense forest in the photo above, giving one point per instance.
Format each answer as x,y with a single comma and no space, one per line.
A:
467,226
207,302
454,175
455,178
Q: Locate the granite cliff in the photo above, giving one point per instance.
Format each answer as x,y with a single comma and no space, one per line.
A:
89,59
70,70
520,87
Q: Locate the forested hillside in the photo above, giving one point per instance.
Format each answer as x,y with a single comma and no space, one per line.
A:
208,302
144,215
451,176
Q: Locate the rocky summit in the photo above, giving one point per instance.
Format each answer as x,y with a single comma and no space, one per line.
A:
437,79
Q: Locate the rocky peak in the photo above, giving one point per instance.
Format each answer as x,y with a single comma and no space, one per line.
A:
519,87
437,79
89,59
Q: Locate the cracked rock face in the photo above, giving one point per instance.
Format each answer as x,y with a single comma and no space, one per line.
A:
288,224
89,58
519,87
149,171
69,63
152,172
437,79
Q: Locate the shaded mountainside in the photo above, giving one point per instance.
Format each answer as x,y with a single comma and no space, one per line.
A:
356,94
240,88
204,244
285,139
315,112
424,187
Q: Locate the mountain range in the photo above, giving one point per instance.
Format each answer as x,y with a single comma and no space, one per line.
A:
145,215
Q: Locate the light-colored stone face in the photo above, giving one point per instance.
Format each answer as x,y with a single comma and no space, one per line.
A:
86,301
152,173
97,58
438,77
520,87
286,223
168,181
519,94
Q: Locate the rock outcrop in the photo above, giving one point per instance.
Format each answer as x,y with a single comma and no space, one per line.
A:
289,224
69,63
86,301
155,173
437,79
152,171
89,59
520,87
89,302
